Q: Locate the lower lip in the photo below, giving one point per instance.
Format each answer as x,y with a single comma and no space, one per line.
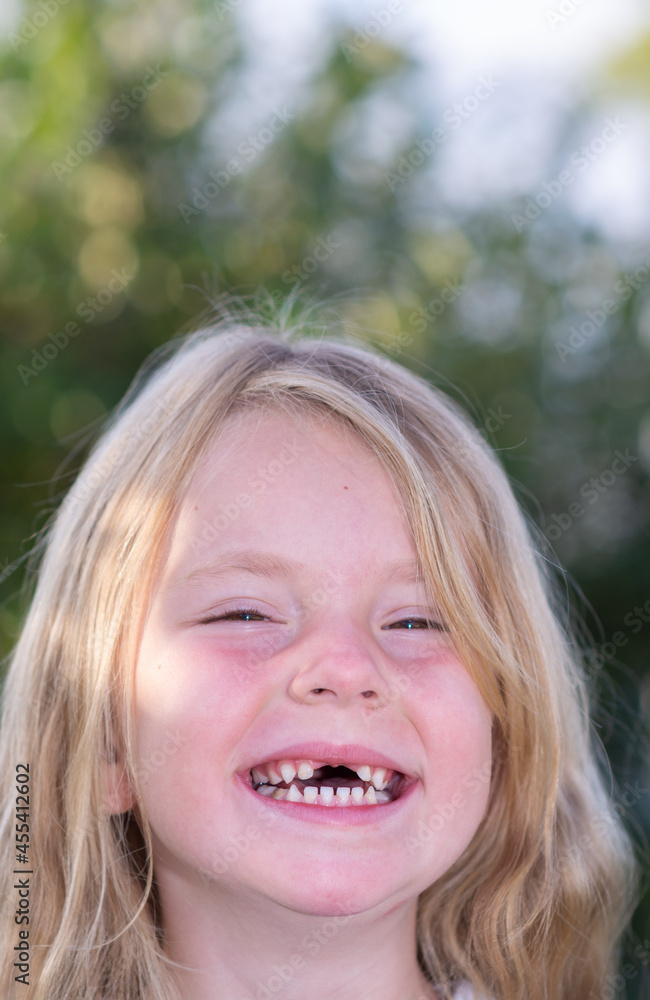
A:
348,815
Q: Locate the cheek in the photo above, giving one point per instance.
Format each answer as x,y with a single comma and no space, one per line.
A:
190,708
457,731
180,750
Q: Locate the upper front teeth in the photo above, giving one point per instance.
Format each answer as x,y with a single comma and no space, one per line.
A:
287,772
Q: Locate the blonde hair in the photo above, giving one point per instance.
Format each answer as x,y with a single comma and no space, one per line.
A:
535,907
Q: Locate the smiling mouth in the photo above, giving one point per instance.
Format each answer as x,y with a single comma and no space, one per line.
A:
330,786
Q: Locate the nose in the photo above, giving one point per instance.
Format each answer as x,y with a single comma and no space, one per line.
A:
337,664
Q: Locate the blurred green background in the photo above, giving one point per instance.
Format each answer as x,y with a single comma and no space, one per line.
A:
145,169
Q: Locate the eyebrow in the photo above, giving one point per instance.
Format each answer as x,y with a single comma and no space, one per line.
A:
270,565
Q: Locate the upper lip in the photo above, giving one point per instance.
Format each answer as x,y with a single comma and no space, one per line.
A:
334,753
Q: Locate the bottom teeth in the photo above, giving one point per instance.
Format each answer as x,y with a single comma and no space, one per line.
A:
325,795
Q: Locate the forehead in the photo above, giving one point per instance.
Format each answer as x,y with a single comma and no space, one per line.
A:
296,487
271,442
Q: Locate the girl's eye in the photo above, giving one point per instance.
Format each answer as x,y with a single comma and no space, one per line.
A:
427,623
247,614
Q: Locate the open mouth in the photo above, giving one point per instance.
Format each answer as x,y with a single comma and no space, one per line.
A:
329,785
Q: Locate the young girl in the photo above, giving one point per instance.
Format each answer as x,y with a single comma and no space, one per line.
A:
291,713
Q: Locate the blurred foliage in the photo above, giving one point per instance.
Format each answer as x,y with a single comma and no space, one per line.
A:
128,201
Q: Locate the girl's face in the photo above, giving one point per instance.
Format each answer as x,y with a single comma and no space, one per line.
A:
301,527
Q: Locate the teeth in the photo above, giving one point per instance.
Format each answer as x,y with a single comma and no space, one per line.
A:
287,771
378,778
325,795
274,777
294,795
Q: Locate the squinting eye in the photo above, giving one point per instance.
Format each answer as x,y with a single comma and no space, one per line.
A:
427,623
233,616
246,614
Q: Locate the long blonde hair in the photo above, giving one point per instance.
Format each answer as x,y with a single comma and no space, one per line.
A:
536,906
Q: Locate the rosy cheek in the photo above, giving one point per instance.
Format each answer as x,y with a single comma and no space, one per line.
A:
455,722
